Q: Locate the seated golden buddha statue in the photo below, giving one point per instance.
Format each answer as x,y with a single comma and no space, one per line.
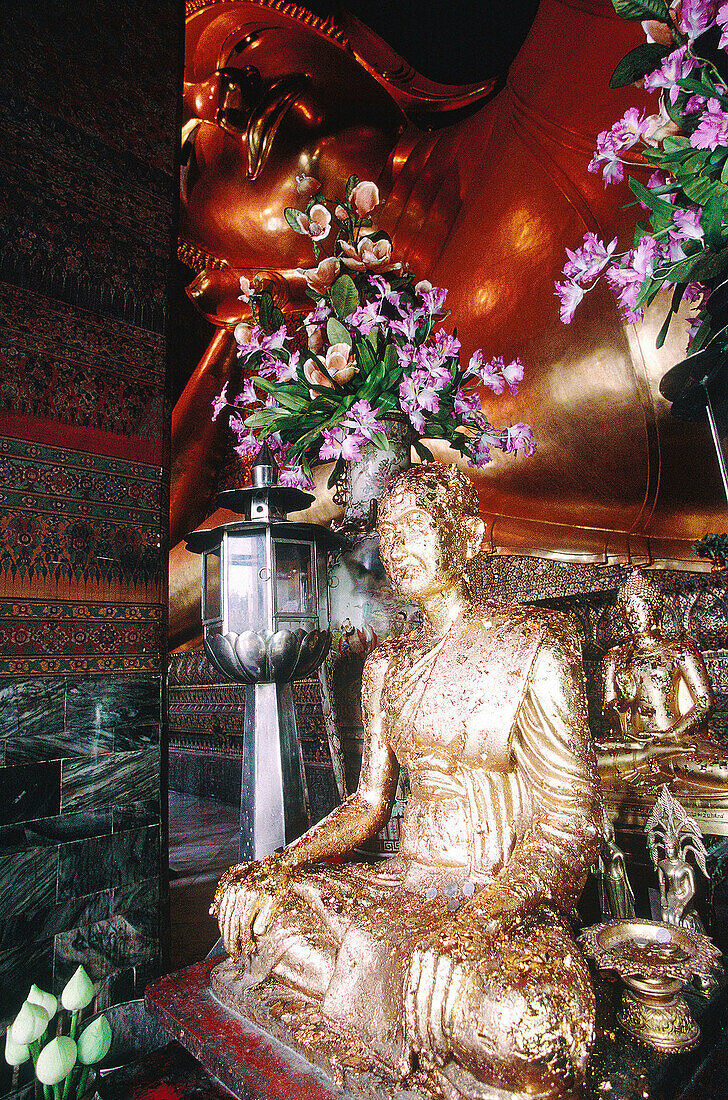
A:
455,956
658,696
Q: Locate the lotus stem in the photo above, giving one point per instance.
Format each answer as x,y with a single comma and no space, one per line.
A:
82,1082
67,1084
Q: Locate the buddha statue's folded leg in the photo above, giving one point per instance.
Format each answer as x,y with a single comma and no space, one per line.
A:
519,1018
294,931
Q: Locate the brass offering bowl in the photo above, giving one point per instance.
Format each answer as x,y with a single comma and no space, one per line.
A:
654,960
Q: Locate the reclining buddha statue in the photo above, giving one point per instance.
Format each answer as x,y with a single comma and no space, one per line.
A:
455,956
481,192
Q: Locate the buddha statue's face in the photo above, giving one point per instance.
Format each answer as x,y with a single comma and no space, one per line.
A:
424,555
640,615
276,101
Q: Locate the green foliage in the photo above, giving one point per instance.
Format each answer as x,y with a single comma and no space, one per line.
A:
638,63
636,10
336,333
344,296
293,217
712,546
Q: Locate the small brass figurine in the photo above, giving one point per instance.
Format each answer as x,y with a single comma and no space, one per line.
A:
658,697
616,898
671,832
456,955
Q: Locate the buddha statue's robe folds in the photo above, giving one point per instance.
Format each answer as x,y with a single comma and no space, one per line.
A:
458,950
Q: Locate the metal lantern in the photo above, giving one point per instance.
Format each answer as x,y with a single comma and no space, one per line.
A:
265,615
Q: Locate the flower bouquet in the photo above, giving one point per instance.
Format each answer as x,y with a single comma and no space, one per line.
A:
61,1063
372,345
683,244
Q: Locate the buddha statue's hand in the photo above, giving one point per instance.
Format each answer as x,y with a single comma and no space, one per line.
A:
247,899
444,965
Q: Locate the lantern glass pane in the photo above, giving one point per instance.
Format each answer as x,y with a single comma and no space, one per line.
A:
212,585
247,583
295,592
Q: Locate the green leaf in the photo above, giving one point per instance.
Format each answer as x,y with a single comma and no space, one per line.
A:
690,166
663,157
336,333
641,9
724,173
650,199
677,144
424,452
283,395
677,296
702,190
701,268
365,357
711,221
665,326
276,319
648,292
380,440
265,310
319,199
344,296
391,362
293,217
264,417
638,63
336,472
350,185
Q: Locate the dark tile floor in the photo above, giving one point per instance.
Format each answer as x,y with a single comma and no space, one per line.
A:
203,842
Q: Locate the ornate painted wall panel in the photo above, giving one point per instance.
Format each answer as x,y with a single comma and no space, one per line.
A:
87,194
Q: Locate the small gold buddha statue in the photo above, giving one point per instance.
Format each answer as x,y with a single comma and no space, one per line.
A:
455,956
658,697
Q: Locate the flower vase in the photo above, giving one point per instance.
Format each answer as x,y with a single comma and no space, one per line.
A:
365,480
364,609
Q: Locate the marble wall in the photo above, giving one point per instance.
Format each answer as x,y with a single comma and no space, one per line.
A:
80,833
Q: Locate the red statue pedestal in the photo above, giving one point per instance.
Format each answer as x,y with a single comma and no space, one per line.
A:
252,1064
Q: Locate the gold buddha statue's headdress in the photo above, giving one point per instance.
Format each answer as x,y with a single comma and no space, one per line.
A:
642,585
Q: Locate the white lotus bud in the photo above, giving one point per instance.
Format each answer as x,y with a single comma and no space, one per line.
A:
94,1041
78,991
56,1060
29,1024
47,1001
15,1053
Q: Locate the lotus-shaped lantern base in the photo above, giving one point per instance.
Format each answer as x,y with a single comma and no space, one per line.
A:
655,961
273,797
267,656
